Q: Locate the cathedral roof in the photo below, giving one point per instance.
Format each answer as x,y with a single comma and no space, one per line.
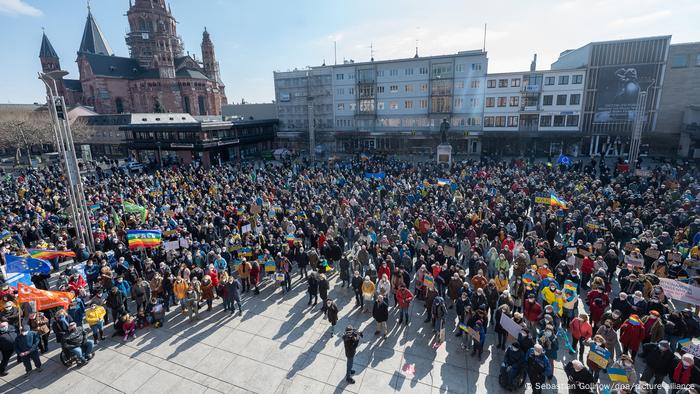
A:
93,39
46,48
113,66
190,73
73,84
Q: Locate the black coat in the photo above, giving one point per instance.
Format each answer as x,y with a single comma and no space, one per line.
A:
579,381
313,285
323,288
660,361
380,311
7,340
350,341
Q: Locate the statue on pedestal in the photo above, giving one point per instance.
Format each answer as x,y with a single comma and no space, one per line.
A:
444,127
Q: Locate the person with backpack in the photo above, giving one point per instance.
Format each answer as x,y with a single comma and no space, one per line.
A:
538,367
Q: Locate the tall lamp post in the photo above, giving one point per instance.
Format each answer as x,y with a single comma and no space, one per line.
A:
66,148
636,140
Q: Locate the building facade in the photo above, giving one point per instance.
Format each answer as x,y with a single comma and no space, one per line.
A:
174,138
385,106
157,77
617,73
533,113
680,100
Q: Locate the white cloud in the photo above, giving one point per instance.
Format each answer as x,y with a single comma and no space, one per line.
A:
635,20
18,7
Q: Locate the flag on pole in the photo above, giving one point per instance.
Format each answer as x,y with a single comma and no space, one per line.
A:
556,201
143,238
44,299
130,207
617,375
444,182
19,269
563,159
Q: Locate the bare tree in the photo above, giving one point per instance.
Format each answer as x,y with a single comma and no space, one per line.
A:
25,129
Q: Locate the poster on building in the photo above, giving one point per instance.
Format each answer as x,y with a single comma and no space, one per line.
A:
680,291
618,89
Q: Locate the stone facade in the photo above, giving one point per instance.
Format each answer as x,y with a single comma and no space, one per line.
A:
157,77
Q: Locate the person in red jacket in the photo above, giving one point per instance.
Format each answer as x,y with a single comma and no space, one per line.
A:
532,310
684,372
255,276
581,332
586,272
404,297
384,269
631,335
597,308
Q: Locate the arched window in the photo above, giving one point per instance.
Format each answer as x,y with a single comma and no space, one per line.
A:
202,108
186,104
119,103
142,25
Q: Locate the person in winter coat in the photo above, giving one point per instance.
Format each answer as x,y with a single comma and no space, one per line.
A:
255,277
684,372
323,290
380,313
500,331
596,342
8,335
232,295
659,362
94,316
625,362
27,349
581,332
208,291
479,326
439,310
115,302
180,288
125,288
607,332
550,344
653,327
77,343
631,335
332,313
538,367
156,313
404,298
532,311
580,379
356,284
312,289
492,295
141,293
368,288
453,287
39,323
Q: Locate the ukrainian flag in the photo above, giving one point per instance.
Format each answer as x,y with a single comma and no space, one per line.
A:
617,375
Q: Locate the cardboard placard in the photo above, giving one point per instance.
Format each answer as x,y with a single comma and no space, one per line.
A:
171,245
184,243
634,261
510,325
245,229
472,332
642,173
680,291
543,200
449,251
255,209
571,250
583,252
629,246
432,242
599,356
653,253
675,256
541,261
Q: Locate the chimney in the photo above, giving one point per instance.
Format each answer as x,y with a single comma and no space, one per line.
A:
533,65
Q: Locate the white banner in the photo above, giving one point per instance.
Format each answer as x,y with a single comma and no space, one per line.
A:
680,291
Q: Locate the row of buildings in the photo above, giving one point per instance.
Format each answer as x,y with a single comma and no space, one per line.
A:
586,103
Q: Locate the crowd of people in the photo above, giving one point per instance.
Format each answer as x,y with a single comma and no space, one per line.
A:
551,259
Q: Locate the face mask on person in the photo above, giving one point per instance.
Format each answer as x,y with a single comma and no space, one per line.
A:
627,363
548,333
687,363
553,288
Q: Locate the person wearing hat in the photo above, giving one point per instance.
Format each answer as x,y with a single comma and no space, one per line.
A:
684,373
580,379
631,335
351,339
659,362
538,367
653,327
627,363
76,342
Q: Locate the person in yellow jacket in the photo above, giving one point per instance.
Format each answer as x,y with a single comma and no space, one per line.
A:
95,317
367,293
549,293
180,289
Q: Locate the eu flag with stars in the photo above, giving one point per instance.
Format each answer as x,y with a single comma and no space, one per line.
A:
20,269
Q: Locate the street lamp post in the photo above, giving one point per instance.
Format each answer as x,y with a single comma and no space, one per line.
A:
66,148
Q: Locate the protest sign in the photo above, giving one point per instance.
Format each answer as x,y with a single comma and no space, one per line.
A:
171,245
599,356
653,253
642,173
245,229
449,251
541,261
184,243
634,261
629,246
510,325
472,332
680,291
584,252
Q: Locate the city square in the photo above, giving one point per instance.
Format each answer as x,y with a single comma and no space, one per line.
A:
413,212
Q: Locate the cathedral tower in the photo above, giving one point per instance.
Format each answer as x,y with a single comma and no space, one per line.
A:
152,37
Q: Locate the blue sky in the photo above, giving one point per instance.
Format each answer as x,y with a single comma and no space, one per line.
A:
253,38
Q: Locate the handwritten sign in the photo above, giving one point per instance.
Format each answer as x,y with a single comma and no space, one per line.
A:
541,261
653,253
599,356
680,291
510,325
449,251
634,261
629,246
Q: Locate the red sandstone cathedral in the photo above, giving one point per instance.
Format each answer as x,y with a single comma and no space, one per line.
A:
157,77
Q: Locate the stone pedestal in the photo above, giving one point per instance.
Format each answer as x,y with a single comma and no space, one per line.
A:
444,154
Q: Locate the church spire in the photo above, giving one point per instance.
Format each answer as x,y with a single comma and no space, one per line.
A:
48,56
93,39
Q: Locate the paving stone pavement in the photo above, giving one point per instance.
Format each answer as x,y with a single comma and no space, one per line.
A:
278,345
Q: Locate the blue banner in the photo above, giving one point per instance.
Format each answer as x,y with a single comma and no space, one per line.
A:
375,175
